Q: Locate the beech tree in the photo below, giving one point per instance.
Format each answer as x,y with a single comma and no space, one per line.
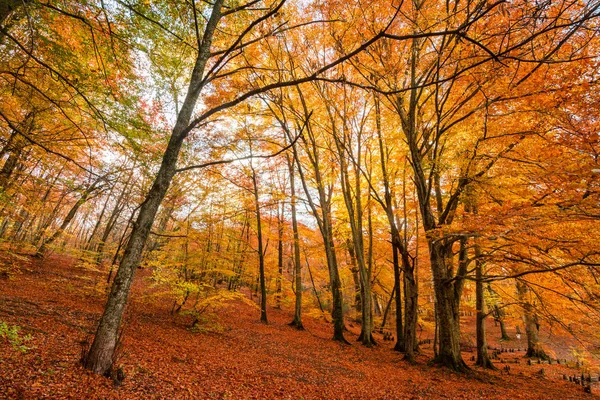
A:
223,64
463,130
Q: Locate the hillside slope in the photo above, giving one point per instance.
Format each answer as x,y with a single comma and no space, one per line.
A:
58,303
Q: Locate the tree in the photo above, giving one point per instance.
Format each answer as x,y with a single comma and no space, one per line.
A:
261,253
85,195
297,321
100,355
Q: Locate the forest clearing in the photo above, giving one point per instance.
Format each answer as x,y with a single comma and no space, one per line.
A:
300,198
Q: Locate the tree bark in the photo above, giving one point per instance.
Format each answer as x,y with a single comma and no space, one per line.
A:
41,252
532,328
500,319
323,217
447,298
312,281
411,290
297,321
261,254
355,278
279,253
483,358
101,354
399,252
112,220
88,244
387,308
411,296
14,146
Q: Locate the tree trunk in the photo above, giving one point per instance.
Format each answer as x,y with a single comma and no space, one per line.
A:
312,281
411,297
297,321
377,308
88,245
356,248
397,247
337,312
101,354
356,280
279,254
532,327
323,217
498,317
483,359
387,308
41,252
447,308
261,254
112,220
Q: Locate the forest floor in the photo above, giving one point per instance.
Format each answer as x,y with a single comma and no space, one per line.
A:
58,303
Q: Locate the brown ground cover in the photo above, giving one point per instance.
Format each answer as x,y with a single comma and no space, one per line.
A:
58,303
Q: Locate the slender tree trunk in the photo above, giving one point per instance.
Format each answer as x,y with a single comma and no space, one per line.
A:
279,253
411,296
101,354
323,217
411,290
313,284
88,245
398,249
336,288
353,204
483,358
261,254
297,321
112,221
41,252
399,346
356,279
498,317
387,308
377,309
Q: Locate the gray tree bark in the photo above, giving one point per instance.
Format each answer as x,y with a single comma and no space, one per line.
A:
261,254
41,252
323,216
297,321
483,358
101,354
532,327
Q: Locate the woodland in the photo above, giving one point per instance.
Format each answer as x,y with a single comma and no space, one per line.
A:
299,198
